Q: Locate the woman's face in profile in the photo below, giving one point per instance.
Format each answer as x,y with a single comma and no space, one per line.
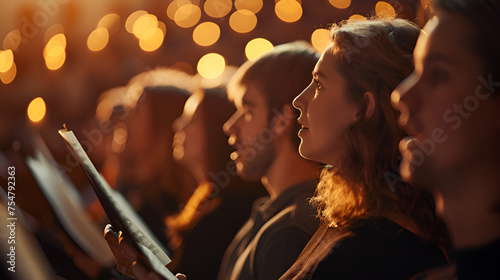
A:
445,105
325,113
190,138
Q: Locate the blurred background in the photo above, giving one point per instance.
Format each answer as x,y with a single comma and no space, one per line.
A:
86,63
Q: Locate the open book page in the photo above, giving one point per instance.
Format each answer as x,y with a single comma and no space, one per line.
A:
156,257
69,209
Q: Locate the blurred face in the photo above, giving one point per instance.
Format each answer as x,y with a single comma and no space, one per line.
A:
446,106
325,113
190,138
249,133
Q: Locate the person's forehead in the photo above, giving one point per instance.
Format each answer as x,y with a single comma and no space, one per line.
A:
248,95
450,37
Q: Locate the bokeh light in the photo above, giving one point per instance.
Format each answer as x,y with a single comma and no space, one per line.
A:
206,34
54,52
6,60
218,8
211,65
384,10
340,4
187,16
252,5
52,31
12,40
256,47
36,109
144,23
8,76
356,17
151,40
243,21
98,39
288,10
320,39
110,21
132,18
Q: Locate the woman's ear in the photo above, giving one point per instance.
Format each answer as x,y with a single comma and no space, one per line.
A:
369,100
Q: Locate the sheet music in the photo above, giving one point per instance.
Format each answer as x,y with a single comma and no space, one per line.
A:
158,259
64,199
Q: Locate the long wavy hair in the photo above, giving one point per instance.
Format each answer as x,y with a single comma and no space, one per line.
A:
373,56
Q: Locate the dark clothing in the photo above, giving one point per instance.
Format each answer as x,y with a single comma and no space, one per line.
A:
479,263
373,248
273,237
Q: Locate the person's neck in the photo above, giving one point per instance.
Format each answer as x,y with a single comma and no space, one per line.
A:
469,202
288,170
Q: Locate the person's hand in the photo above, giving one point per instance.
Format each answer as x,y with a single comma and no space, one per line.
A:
123,253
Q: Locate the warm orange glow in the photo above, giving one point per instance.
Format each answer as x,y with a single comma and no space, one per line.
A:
211,65
252,5
12,40
98,39
256,47
206,34
340,4
288,10
320,39
144,23
6,60
243,21
36,109
187,16
425,3
176,4
52,31
151,40
384,9
54,52
163,27
356,17
130,22
8,76
218,8
110,21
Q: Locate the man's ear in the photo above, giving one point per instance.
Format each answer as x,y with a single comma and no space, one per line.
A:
283,120
369,100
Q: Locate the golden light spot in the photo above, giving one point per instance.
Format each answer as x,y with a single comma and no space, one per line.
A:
8,76
163,27
176,4
256,47
98,39
340,4
243,21
384,10
110,21
253,6
211,65
320,39
187,16
57,62
52,31
54,52
357,17
218,8
288,10
143,24
151,40
36,109
206,34
6,60
12,40
425,3
132,18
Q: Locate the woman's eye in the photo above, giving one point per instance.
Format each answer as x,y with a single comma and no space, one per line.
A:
318,85
438,76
